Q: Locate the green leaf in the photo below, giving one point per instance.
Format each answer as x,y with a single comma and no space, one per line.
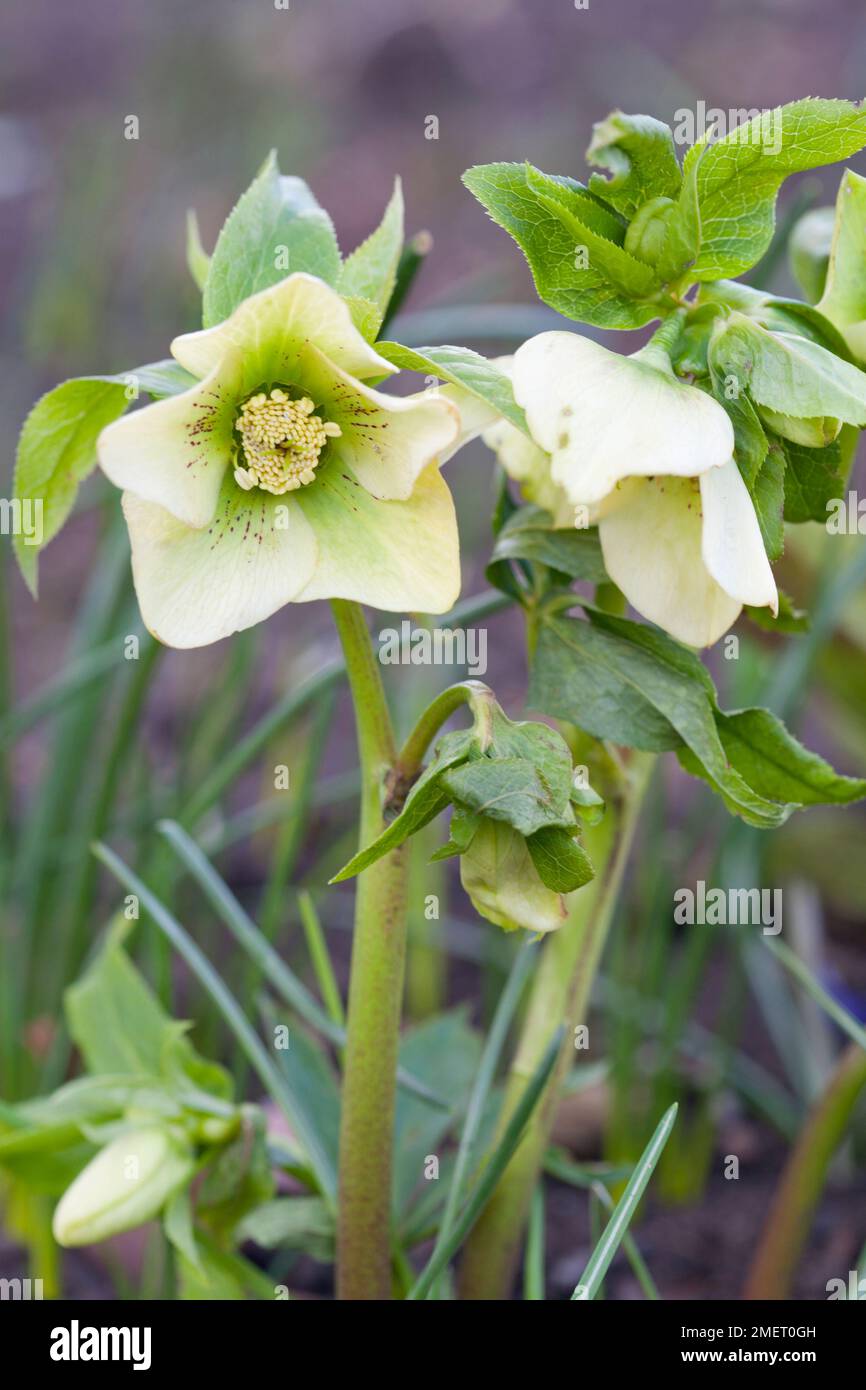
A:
56,452
560,862
682,239
768,496
292,1223
639,152
118,1023
778,766
444,1052
634,684
740,176
240,1178
370,273
507,789
462,367
365,317
812,478
578,270
844,299
623,1213
275,229
197,259
178,1226
790,374
528,534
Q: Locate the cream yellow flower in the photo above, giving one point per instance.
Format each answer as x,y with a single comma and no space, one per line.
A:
621,442
283,475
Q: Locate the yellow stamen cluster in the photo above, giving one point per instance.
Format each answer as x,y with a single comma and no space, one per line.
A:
282,440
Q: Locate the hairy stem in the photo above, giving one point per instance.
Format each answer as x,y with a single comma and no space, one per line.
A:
375,995
560,993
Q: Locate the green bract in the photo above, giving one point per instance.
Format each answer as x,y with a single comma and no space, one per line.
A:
514,797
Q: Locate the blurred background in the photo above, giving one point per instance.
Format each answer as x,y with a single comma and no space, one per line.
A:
93,279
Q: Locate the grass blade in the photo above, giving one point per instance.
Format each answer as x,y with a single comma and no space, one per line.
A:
617,1226
499,1161
801,972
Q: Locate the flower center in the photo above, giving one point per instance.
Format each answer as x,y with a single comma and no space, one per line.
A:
281,441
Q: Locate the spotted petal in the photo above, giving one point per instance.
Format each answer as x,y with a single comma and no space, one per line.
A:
198,586
603,417
271,330
176,451
398,556
386,441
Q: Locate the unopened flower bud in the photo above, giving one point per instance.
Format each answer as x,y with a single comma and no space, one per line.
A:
125,1184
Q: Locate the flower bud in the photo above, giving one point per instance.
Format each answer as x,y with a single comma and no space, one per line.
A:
500,878
124,1185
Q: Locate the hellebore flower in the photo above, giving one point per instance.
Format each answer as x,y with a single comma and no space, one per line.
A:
125,1184
649,458
283,475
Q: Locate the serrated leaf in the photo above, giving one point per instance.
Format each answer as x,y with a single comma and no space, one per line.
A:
812,478
370,273
776,764
791,374
506,789
640,154
560,861
275,229
56,452
365,316
464,368
635,685
682,240
544,227
740,176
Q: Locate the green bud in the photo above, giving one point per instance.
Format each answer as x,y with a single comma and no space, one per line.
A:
124,1185
648,229
814,433
499,876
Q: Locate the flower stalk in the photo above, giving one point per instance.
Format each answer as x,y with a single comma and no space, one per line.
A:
375,994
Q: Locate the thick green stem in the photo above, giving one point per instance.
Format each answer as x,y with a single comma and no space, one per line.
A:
803,1179
560,993
375,995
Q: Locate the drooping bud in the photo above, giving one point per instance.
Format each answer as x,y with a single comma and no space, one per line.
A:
500,878
125,1184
